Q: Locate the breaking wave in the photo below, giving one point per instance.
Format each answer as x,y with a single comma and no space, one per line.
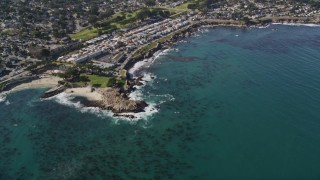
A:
297,24
69,100
139,94
147,62
3,97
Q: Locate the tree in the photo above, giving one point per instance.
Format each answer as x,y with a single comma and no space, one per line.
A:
36,33
119,18
106,14
192,6
166,13
150,2
71,75
143,14
100,32
84,79
45,52
92,19
94,10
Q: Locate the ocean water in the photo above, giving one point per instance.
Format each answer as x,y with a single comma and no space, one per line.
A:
226,104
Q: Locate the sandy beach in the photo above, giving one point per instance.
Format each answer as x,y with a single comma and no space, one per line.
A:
48,82
85,92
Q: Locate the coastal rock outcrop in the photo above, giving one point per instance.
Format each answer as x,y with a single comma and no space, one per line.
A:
53,92
114,101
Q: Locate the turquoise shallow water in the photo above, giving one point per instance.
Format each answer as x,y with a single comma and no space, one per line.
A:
235,104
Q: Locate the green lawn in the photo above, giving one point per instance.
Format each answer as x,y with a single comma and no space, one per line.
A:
123,73
85,34
63,63
9,32
152,45
91,32
95,80
183,6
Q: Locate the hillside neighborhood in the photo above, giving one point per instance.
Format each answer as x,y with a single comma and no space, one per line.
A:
38,36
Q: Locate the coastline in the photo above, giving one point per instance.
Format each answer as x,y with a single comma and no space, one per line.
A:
180,35
46,82
97,97
298,24
118,100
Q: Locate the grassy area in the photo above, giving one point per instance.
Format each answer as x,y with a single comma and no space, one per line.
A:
129,19
145,49
9,32
85,34
101,81
95,80
123,73
92,32
63,63
152,45
2,85
183,6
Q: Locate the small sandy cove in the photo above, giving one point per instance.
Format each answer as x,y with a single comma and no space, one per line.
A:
48,82
52,81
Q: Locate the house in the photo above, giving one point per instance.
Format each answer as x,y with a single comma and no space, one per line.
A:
119,58
2,68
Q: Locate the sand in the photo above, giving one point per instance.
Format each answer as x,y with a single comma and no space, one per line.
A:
52,81
85,92
47,82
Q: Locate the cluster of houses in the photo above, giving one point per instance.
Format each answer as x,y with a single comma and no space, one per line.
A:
127,42
256,10
47,27
153,31
170,3
2,68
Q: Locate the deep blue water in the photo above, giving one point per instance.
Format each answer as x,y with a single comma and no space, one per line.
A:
235,104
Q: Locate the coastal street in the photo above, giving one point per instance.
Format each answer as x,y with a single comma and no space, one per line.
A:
20,73
111,44
128,43
129,57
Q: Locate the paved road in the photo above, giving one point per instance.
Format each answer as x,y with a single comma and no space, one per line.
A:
131,54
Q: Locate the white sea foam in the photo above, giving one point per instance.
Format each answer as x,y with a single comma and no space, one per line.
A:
3,97
203,30
149,111
138,94
7,102
147,62
68,100
297,24
263,27
200,32
152,100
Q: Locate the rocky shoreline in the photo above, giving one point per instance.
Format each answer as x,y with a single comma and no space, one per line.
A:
117,99
117,102
114,99
178,36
